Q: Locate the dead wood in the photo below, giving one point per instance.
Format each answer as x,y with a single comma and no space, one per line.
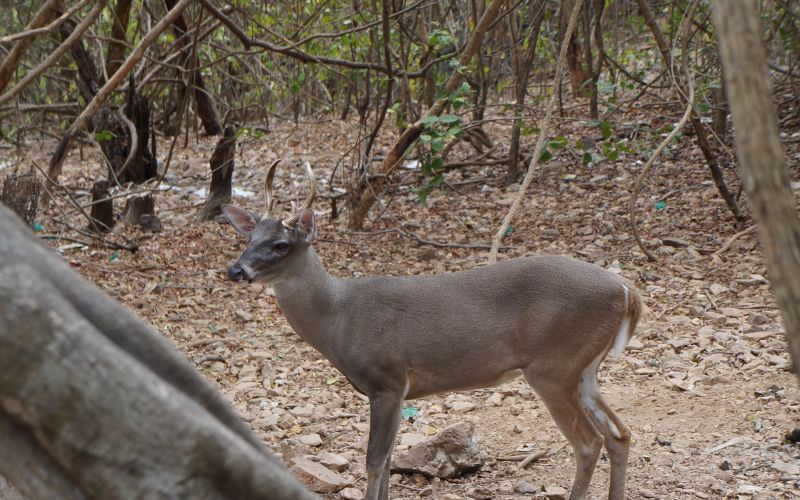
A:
221,163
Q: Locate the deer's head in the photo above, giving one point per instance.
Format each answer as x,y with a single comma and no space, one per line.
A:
273,244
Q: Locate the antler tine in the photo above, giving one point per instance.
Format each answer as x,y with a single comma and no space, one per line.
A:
292,220
269,200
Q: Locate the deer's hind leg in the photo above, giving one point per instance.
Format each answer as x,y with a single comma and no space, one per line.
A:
563,401
616,435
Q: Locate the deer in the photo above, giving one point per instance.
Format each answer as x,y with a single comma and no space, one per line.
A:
551,319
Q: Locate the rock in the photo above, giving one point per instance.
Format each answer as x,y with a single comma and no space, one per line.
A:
525,487
496,399
310,439
302,411
675,242
714,317
449,454
480,493
758,319
334,461
409,439
351,494
732,312
553,493
243,315
462,406
718,289
316,476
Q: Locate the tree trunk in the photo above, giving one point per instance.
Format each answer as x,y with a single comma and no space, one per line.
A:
576,73
21,194
116,47
205,104
765,174
222,160
96,404
102,208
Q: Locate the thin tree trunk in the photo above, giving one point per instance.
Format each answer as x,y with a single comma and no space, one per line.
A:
576,74
522,74
765,174
205,104
221,163
116,47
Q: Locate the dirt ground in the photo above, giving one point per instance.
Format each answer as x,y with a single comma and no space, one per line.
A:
704,386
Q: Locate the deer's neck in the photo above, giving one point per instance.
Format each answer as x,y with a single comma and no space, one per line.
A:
308,298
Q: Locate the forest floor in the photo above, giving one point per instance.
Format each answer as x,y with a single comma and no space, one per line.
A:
705,386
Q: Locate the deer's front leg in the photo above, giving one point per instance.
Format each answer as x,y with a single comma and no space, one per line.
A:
384,419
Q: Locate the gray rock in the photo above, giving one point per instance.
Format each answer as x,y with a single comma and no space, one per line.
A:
449,454
351,494
316,476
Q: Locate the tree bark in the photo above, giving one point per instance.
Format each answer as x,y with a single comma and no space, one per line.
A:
765,174
576,73
21,194
96,404
102,208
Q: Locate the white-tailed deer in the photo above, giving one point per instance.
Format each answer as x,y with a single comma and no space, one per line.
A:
551,319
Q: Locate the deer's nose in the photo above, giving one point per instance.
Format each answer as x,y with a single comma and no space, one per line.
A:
236,273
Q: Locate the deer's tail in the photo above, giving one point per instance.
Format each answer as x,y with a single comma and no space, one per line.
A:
633,311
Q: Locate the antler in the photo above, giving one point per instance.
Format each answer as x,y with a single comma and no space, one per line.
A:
268,189
292,220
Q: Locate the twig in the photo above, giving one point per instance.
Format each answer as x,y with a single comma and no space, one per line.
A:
540,142
724,248
540,455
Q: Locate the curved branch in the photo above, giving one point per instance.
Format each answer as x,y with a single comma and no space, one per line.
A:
537,152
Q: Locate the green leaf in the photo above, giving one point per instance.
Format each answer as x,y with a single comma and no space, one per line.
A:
545,156
613,155
429,120
660,205
449,119
426,138
605,129
437,163
104,135
587,158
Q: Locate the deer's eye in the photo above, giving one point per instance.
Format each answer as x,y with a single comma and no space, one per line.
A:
281,247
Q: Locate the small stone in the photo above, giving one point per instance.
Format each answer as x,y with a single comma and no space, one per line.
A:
310,439
351,494
675,242
243,315
715,317
732,312
334,461
302,411
480,493
316,476
426,491
496,399
462,406
758,319
718,289
526,488
555,493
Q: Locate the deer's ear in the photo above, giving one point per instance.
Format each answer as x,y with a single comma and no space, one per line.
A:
243,221
307,226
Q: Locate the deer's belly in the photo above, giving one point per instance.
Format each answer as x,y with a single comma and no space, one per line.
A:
422,384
